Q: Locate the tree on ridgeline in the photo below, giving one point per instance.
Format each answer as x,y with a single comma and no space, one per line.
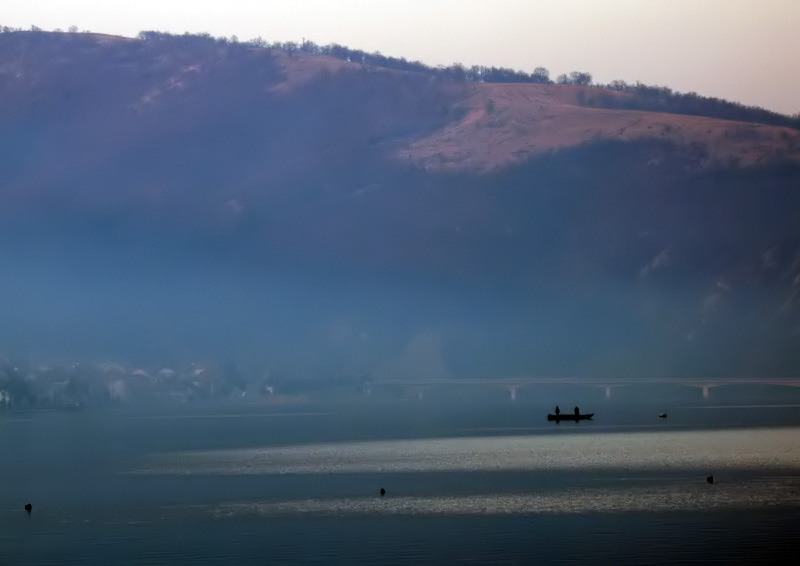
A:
540,75
580,78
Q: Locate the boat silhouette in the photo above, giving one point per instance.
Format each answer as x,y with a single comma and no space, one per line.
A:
570,417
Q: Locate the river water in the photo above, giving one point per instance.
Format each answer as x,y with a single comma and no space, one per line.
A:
472,484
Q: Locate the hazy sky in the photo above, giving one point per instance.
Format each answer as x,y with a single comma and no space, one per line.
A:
744,50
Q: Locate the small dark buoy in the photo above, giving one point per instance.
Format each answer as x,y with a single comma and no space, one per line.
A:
28,507
383,492
710,479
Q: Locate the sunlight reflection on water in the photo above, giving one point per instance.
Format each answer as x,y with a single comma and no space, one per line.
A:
673,450
677,497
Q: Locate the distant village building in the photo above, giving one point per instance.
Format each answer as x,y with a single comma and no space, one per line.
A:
117,390
113,368
166,373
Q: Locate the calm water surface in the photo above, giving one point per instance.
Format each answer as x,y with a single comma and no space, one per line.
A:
469,485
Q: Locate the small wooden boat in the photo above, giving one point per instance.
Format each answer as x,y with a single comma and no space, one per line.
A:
569,417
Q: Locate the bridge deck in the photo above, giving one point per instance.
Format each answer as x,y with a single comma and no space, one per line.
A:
599,382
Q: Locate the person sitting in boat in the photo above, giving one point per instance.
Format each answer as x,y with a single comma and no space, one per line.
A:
577,411
558,411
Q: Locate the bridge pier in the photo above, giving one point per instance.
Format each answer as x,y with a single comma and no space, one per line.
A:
420,391
513,390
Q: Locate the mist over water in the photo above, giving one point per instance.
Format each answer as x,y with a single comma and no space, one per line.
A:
147,305
141,305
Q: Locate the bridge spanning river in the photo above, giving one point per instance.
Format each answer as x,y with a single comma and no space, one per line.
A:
512,385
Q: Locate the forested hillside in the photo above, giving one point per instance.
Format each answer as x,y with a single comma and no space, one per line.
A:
321,210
